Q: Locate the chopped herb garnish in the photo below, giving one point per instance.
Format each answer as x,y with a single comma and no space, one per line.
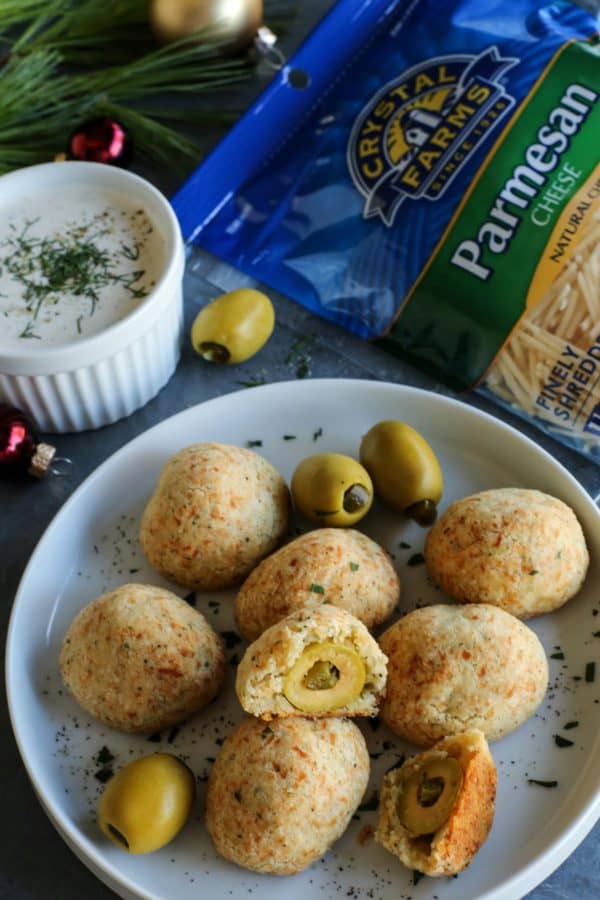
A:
353,566
47,267
534,572
317,588
231,639
590,671
569,725
104,775
370,804
190,598
155,738
133,571
595,633
173,734
253,443
317,434
104,757
257,381
417,559
561,741
28,332
546,784
299,345
559,655
303,370
417,877
266,731
404,546
289,437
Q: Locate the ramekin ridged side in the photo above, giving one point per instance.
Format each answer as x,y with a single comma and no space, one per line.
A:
106,391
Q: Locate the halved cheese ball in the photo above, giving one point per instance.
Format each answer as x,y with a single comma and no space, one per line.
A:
453,668
330,565
437,809
315,662
216,512
140,659
279,795
521,550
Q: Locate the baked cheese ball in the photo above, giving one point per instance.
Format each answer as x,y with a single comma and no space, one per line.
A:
454,668
140,659
437,809
329,565
279,795
315,662
521,550
216,511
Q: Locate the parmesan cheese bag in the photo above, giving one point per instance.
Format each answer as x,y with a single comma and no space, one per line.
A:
427,176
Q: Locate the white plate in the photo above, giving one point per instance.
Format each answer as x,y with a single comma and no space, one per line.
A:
92,546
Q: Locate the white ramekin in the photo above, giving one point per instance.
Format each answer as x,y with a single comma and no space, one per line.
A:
96,380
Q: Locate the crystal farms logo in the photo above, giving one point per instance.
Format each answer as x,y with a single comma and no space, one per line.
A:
416,134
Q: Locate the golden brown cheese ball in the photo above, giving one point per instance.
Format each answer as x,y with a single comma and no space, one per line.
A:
279,795
140,659
216,511
315,662
437,809
330,565
519,549
454,668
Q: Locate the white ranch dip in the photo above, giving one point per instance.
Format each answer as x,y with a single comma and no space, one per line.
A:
73,261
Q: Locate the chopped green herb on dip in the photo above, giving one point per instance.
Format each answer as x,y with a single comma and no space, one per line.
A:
73,262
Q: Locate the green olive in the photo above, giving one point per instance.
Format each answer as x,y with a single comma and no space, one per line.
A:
325,677
405,470
147,803
233,327
332,489
429,794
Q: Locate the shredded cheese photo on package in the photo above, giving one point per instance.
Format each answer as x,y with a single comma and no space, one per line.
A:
427,176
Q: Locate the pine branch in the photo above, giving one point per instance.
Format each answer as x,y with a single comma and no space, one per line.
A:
63,61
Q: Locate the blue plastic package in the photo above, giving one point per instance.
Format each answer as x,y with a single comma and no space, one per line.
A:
426,175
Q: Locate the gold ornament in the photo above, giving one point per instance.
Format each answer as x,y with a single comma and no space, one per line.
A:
235,22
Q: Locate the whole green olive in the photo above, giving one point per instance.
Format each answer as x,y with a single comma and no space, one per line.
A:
234,326
147,803
332,489
405,470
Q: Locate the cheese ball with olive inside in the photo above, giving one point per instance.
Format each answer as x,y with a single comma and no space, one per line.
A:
405,471
280,795
454,668
437,809
140,659
216,512
341,566
233,327
147,803
332,489
519,549
315,662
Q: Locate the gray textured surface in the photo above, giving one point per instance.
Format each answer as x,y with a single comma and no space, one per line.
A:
34,862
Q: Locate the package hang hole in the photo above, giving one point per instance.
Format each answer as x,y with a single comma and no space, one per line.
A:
298,79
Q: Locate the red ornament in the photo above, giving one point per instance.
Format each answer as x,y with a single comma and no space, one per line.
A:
101,140
20,449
